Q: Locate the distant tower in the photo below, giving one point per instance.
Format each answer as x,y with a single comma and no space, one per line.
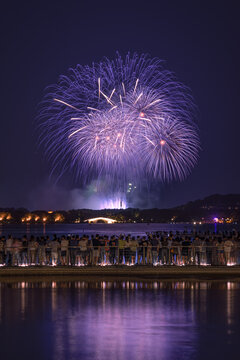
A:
130,193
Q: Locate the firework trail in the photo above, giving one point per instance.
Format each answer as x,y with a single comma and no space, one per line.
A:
121,120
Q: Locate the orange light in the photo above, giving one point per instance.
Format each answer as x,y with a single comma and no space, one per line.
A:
44,219
97,137
2,216
162,142
108,137
141,114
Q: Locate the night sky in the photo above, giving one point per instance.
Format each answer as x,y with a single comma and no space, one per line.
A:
199,42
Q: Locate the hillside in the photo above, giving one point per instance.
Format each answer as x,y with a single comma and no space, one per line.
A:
224,207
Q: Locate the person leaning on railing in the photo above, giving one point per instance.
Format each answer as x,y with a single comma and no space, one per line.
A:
220,252
73,243
127,250
149,252
196,250
155,247
96,246
165,251
174,252
24,252
235,253
32,250
54,254
41,251
186,250
2,244
228,244
121,247
101,254
9,250
83,242
17,247
113,243
209,250
133,244
140,249
90,250
107,249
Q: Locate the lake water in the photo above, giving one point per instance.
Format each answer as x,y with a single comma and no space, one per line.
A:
109,229
123,320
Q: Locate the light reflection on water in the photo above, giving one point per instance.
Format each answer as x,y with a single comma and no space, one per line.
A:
119,319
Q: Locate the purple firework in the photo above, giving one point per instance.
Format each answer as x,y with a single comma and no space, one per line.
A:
120,120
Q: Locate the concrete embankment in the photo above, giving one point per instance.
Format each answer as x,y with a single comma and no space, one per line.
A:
116,272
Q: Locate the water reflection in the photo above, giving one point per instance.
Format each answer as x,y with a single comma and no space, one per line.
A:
123,285
119,319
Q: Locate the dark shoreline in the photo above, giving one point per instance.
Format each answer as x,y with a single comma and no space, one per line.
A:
111,273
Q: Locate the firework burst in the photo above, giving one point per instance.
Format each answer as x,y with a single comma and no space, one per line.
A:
121,120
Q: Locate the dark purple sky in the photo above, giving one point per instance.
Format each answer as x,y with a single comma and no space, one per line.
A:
199,42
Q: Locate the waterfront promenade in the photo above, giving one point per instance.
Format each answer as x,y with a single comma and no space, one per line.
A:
124,271
160,255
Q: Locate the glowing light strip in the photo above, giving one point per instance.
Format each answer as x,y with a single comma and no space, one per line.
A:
114,107
110,102
91,108
123,89
112,94
99,87
138,98
76,131
63,102
135,86
142,118
154,102
149,140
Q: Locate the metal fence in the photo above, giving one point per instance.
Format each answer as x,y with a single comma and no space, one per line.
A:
116,255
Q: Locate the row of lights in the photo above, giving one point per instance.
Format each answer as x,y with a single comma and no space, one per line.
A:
37,218
5,216
223,220
29,218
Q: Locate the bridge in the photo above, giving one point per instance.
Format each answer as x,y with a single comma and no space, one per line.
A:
101,220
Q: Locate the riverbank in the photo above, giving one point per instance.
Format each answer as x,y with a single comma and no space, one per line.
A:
127,272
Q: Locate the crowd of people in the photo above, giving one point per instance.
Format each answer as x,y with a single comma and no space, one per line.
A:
160,248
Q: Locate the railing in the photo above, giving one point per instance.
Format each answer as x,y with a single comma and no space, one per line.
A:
117,255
